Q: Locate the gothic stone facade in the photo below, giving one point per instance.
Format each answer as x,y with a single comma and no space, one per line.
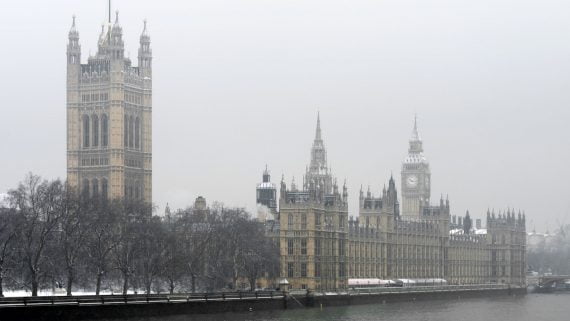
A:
109,117
321,250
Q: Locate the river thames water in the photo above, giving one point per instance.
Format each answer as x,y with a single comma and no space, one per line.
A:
532,307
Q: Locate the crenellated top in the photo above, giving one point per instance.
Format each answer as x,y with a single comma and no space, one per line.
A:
110,47
506,220
388,200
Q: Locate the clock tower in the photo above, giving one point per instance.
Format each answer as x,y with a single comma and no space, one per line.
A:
416,177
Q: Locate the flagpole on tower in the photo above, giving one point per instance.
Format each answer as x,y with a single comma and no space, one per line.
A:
109,12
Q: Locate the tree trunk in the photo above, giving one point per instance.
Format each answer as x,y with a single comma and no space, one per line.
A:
98,283
252,284
69,282
170,281
34,285
1,283
193,283
125,283
148,286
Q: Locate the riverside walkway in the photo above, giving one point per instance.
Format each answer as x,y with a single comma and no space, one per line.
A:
92,307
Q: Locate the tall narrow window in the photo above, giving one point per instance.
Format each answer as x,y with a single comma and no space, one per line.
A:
104,131
137,132
104,188
131,130
85,131
95,121
95,184
290,248
290,269
126,133
85,187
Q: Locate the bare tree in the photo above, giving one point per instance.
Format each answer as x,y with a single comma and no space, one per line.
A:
102,239
173,261
131,216
39,204
260,256
196,233
151,251
73,235
9,228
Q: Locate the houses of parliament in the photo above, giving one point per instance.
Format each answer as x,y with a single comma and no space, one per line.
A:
321,247
109,155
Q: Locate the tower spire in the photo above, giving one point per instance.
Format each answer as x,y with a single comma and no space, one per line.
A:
318,131
109,17
415,133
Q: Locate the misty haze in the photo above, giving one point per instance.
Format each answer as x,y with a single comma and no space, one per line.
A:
184,158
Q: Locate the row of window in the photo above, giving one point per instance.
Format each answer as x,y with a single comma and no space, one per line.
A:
133,163
95,188
94,161
133,191
104,96
133,98
293,243
318,222
303,270
94,97
96,131
93,129
132,132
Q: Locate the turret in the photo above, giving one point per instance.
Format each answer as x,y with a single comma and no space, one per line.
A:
117,46
73,47
467,224
145,53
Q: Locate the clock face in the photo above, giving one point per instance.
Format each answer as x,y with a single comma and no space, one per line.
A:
412,181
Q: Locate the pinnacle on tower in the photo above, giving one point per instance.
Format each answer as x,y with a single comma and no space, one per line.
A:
318,131
415,134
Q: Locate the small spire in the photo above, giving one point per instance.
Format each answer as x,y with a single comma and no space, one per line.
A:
73,29
117,17
318,131
415,134
144,32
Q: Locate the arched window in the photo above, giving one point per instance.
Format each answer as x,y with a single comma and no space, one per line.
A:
131,131
104,131
85,187
95,121
95,189
126,133
137,132
104,188
85,131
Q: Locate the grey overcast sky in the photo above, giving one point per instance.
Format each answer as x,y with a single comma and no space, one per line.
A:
237,85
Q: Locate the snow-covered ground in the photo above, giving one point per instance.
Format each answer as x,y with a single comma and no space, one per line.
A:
56,293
